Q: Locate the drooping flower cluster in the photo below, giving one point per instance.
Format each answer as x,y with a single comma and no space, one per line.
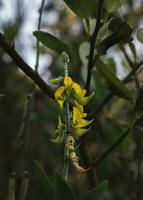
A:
70,92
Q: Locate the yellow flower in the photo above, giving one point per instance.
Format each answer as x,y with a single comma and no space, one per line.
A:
59,132
78,119
68,81
59,96
78,90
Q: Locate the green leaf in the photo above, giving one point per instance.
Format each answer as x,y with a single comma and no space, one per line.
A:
113,5
115,84
82,8
97,192
53,43
44,181
62,189
121,32
140,35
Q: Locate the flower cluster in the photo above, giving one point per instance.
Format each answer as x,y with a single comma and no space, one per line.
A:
69,92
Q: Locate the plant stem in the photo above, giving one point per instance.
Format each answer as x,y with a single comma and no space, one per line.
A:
92,46
108,151
65,58
91,175
66,151
131,64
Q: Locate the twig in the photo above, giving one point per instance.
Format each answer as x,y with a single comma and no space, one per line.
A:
11,187
24,187
83,148
131,64
108,151
67,131
92,46
23,136
25,67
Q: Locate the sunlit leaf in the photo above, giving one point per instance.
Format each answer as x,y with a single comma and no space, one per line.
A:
113,5
53,43
121,32
140,35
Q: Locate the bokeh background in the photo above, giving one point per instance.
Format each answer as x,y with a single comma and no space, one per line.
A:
18,20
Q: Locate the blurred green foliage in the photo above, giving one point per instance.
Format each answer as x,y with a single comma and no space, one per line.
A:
122,168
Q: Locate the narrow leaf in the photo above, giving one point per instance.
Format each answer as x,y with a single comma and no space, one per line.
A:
62,189
115,84
44,181
121,32
53,43
97,192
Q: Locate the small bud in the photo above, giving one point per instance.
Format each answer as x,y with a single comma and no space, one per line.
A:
83,100
57,80
58,140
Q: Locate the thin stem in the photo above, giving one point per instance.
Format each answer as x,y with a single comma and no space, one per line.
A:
108,151
23,136
118,141
83,147
65,58
92,46
131,64
38,28
66,151
11,188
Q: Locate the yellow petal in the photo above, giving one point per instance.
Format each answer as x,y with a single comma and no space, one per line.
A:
80,107
83,123
59,92
83,115
78,90
81,131
67,81
76,115
59,96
